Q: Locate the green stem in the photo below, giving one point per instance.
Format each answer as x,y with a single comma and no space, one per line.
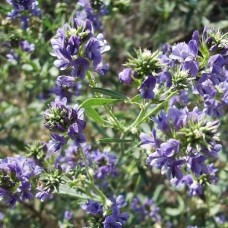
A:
86,166
136,186
107,109
158,107
99,192
142,117
138,119
114,118
91,181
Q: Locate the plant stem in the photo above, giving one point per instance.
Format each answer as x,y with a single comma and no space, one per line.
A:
107,109
158,107
99,192
142,117
86,165
138,119
136,186
91,180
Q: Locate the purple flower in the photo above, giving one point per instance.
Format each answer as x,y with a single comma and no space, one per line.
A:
116,219
62,118
188,140
150,141
76,133
195,36
217,60
197,165
146,89
13,57
171,147
165,77
147,209
186,55
16,183
43,194
66,87
119,201
111,222
66,81
23,9
191,66
181,99
80,67
213,107
102,69
56,143
183,51
87,12
57,117
77,48
174,119
195,189
205,86
93,51
68,215
26,46
220,219
104,162
126,76
92,207
73,45
168,165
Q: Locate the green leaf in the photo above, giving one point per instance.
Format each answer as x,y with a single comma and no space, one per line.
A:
115,140
27,67
93,114
97,102
68,191
110,93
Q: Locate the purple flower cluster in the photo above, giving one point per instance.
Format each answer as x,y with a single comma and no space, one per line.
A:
71,157
205,60
78,50
104,163
185,55
198,64
65,86
49,182
117,218
86,11
142,71
187,140
22,9
213,85
92,207
61,119
147,209
15,179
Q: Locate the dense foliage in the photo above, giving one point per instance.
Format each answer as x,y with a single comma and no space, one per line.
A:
113,113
